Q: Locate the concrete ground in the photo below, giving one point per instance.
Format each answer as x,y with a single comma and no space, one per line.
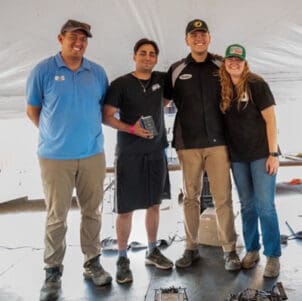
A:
21,255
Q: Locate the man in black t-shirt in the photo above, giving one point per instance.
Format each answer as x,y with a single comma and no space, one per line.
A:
142,177
194,86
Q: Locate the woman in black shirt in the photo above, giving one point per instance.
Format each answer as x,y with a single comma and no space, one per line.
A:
251,132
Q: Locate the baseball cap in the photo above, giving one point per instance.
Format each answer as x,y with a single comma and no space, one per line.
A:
235,50
196,24
73,25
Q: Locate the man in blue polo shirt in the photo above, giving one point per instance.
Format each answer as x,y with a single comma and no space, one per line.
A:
64,99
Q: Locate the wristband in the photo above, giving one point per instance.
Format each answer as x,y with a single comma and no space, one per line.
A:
131,130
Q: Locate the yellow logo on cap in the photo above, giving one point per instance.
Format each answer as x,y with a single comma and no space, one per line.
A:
197,24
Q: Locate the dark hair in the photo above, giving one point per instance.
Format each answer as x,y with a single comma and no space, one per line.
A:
145,41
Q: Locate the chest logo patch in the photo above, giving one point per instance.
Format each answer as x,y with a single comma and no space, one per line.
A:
185,76
155,87
59,78
245,97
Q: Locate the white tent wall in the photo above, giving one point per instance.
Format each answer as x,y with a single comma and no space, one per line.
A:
271,31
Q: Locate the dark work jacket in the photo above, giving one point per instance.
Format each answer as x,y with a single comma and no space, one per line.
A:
196,94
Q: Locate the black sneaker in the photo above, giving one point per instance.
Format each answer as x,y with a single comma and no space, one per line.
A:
157,259
187,259
231,261
51,288
123,272
94,271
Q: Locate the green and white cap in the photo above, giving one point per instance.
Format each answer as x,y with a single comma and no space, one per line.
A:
235,50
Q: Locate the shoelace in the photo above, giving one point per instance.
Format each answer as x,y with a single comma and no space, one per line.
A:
232,257
155,251
53,277
124,266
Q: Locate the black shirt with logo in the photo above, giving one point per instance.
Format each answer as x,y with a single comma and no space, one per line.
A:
136,98
196,94
245,127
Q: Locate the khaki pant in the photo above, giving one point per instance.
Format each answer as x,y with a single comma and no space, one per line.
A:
59,178
213,160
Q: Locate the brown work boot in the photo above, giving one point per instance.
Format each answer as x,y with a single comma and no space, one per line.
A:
51,288
157,259
94,271
250,259
123,272
272,268
231,261
187,259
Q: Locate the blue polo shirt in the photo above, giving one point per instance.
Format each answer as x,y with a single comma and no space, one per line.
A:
70,125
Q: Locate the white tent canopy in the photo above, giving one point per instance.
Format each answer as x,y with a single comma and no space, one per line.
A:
271,31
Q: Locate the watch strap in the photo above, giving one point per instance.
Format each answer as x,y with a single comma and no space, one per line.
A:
274,154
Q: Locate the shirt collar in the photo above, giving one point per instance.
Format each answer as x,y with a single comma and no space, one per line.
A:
60,62
189,58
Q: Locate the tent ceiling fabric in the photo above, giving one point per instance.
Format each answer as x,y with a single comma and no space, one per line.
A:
271,31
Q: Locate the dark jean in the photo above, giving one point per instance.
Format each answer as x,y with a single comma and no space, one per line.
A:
256,190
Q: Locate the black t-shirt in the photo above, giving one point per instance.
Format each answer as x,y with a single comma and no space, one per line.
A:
246,128
134,99
196,94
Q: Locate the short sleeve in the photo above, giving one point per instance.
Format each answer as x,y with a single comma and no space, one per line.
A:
114,94
262,95
104,83
34,89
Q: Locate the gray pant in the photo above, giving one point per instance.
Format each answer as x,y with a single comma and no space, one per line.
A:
59,178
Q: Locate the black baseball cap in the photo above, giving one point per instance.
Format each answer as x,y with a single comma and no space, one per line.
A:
195,25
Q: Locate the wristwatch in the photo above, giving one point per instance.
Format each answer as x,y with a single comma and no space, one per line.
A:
274,154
